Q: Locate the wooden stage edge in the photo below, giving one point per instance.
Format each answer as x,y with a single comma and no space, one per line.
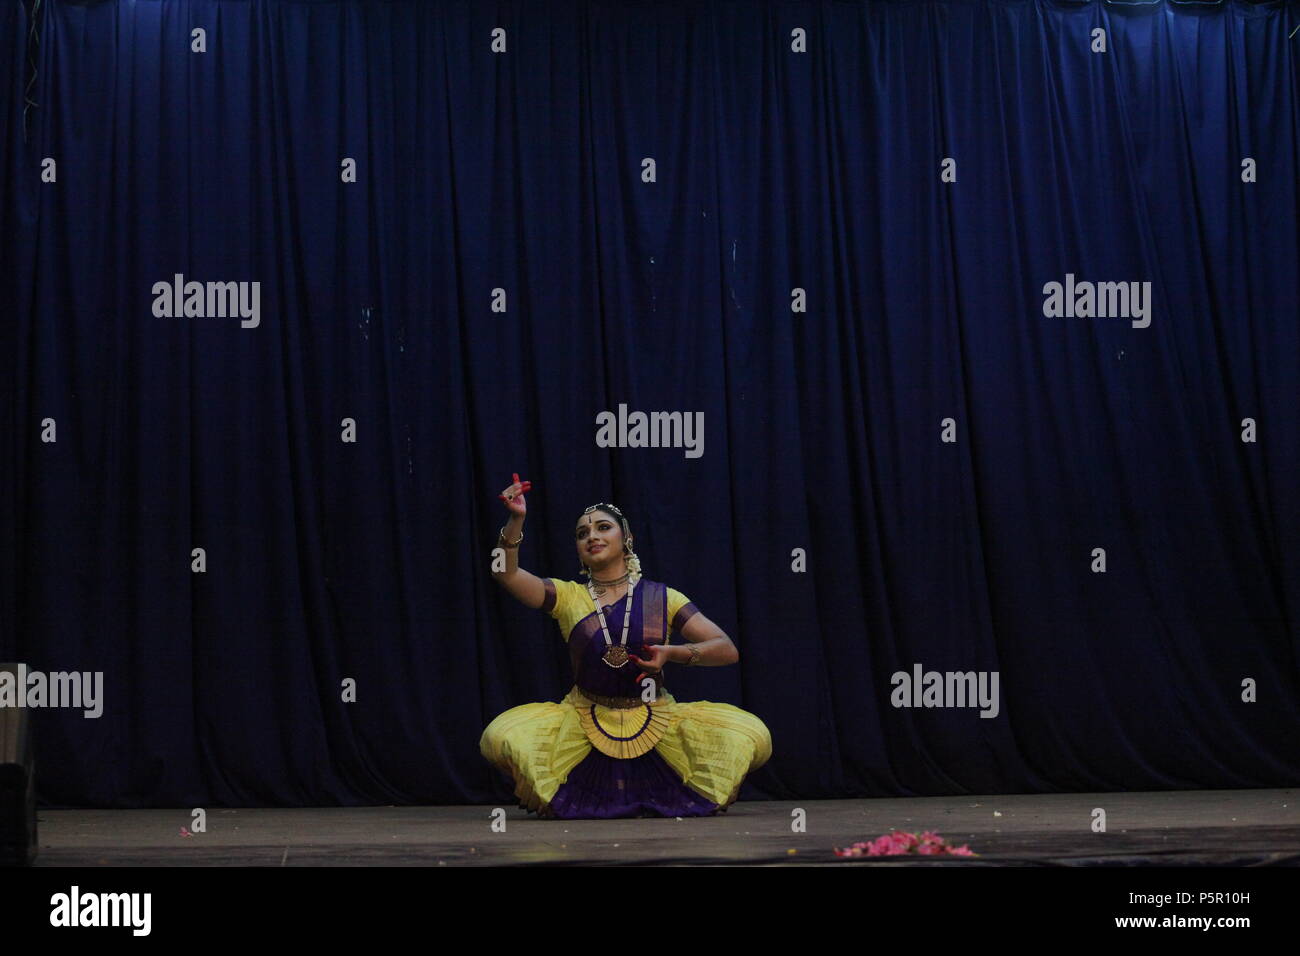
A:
1198,827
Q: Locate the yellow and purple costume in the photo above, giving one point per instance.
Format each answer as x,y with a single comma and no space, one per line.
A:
604,751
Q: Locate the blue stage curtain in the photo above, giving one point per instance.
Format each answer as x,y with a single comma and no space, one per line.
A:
782,161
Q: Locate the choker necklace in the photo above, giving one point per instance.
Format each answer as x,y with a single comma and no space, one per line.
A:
615,654
603,586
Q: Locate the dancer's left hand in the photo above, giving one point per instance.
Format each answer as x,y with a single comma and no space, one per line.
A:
651,658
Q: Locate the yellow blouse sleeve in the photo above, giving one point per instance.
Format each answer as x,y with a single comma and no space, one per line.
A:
566,601
680,610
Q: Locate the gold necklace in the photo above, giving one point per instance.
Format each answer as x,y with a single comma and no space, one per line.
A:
615,654
603,586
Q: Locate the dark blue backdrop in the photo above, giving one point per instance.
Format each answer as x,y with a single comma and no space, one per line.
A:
774,170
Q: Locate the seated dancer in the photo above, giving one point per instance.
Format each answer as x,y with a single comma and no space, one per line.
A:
619,745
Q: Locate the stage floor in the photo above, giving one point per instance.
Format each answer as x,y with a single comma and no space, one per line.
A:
1232,827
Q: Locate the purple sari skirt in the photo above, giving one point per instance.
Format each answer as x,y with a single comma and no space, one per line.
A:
603,787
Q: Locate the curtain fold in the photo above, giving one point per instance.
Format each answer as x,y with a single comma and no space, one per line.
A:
828,228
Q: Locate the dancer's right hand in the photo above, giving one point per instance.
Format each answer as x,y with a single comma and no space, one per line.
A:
513,496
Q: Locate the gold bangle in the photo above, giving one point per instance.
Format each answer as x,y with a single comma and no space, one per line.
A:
501,536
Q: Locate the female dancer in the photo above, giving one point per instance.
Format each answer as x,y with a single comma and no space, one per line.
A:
619,745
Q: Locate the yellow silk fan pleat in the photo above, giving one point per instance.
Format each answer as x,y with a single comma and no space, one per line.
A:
623,733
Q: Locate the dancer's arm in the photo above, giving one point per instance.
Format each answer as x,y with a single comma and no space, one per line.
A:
525,587
714,647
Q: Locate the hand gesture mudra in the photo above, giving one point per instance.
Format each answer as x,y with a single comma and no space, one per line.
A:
651,659
513,496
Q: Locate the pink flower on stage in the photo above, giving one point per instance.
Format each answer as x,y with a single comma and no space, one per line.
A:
906,839
900,843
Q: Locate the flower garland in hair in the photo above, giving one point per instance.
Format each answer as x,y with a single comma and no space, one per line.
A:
633,566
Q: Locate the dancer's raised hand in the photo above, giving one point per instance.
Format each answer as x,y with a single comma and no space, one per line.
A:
513,496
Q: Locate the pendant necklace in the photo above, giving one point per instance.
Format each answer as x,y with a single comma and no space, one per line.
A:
615,654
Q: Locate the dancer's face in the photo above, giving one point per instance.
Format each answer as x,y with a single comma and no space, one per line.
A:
600,543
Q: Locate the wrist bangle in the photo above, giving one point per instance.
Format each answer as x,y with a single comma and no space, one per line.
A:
501,536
